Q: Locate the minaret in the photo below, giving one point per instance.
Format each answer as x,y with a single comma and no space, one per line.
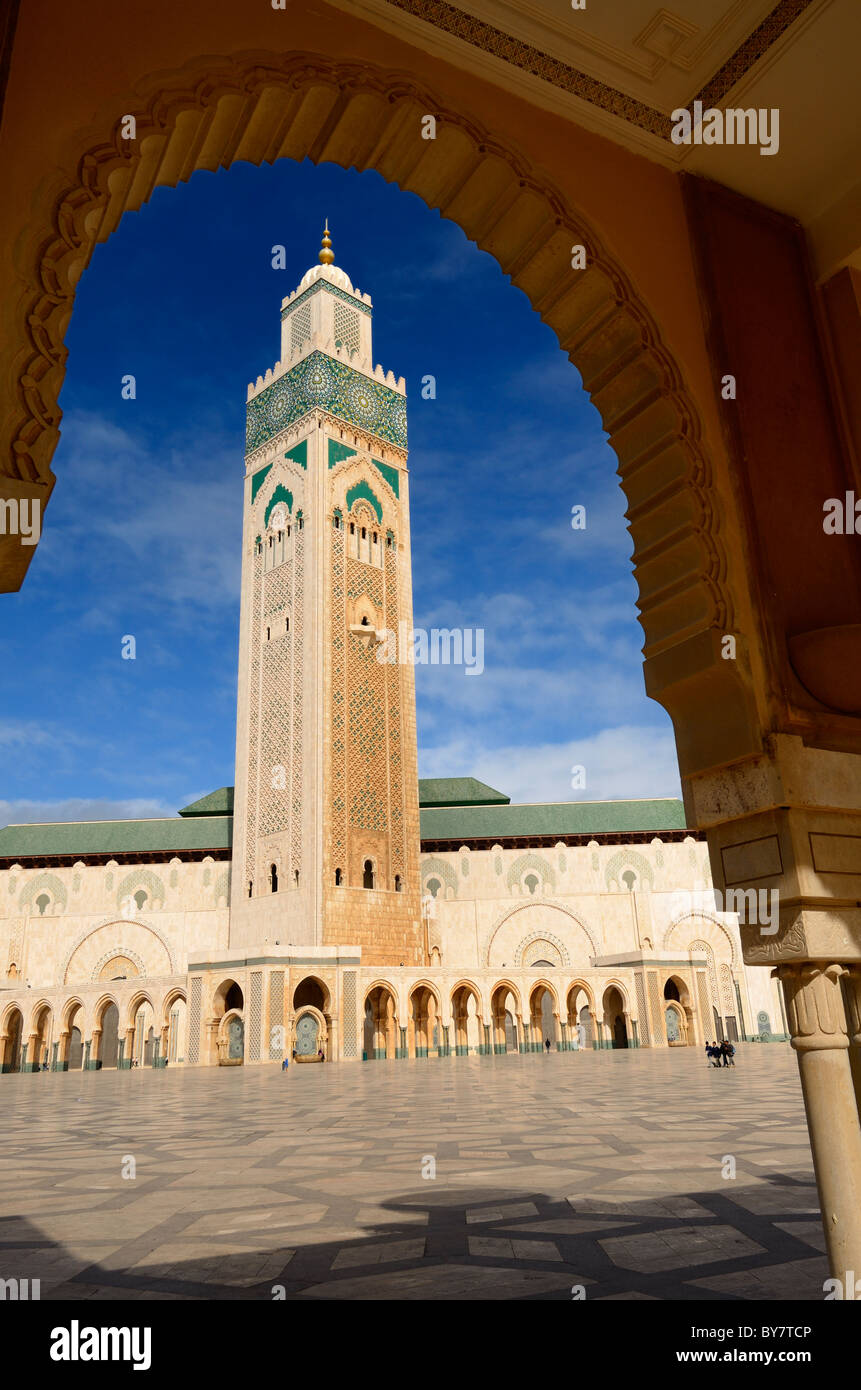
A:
326,826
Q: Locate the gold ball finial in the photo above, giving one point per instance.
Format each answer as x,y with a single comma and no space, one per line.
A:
327,255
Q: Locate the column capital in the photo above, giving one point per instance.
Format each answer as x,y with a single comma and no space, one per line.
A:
814,1004
852,981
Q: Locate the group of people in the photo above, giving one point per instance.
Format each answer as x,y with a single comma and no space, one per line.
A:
720,1053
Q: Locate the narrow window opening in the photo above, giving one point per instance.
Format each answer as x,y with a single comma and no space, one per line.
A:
352,528
364,533
337,878
273,878
296,877
397,883
286,624
368,875
250,887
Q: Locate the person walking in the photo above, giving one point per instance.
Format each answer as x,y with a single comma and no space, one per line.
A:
724,1052
729,1055
547,1045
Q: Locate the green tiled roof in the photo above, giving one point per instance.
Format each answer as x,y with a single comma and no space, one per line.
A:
218,803
199,827
79,838
462,823
458,791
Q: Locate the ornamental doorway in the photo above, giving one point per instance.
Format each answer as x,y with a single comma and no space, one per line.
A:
307,1039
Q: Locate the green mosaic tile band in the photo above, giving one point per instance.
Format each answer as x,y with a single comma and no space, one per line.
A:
332,289
321,382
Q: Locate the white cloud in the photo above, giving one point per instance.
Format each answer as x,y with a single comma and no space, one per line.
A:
626,762
25,812
132,505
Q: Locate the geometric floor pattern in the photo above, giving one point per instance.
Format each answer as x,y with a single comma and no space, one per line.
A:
597,1175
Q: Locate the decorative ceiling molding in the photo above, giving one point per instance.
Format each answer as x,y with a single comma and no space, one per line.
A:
567,78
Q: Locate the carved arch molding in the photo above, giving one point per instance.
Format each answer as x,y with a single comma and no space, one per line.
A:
259,107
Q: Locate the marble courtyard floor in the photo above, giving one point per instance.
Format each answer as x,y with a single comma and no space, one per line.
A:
602,1170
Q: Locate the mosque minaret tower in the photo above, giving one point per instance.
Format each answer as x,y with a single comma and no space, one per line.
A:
326,822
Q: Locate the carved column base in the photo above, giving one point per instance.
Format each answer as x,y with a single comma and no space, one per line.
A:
817,1023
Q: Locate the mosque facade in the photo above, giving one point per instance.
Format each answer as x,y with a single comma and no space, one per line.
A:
331,906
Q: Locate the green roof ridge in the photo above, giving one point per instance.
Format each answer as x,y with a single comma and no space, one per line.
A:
217,803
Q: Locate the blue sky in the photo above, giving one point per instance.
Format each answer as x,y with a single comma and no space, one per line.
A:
142,535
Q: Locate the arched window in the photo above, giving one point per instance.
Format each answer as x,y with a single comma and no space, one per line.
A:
140,898
368,875
42,902
273,878
268,633
531,882
337,878
250,887
433,886
286,624
397,883
296,877
629,878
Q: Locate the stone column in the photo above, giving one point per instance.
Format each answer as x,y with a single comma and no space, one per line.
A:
852,996
817,1023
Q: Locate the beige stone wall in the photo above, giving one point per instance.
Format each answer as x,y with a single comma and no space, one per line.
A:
487,933
91,915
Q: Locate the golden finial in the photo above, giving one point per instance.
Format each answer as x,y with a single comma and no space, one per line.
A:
327,255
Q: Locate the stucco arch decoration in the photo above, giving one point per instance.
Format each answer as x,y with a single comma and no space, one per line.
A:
628,859
35,1010
529,922
542,937
140,878
43,883
359,468
261,106
614,983
523,864
126,953
703,924
432,867
131,937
